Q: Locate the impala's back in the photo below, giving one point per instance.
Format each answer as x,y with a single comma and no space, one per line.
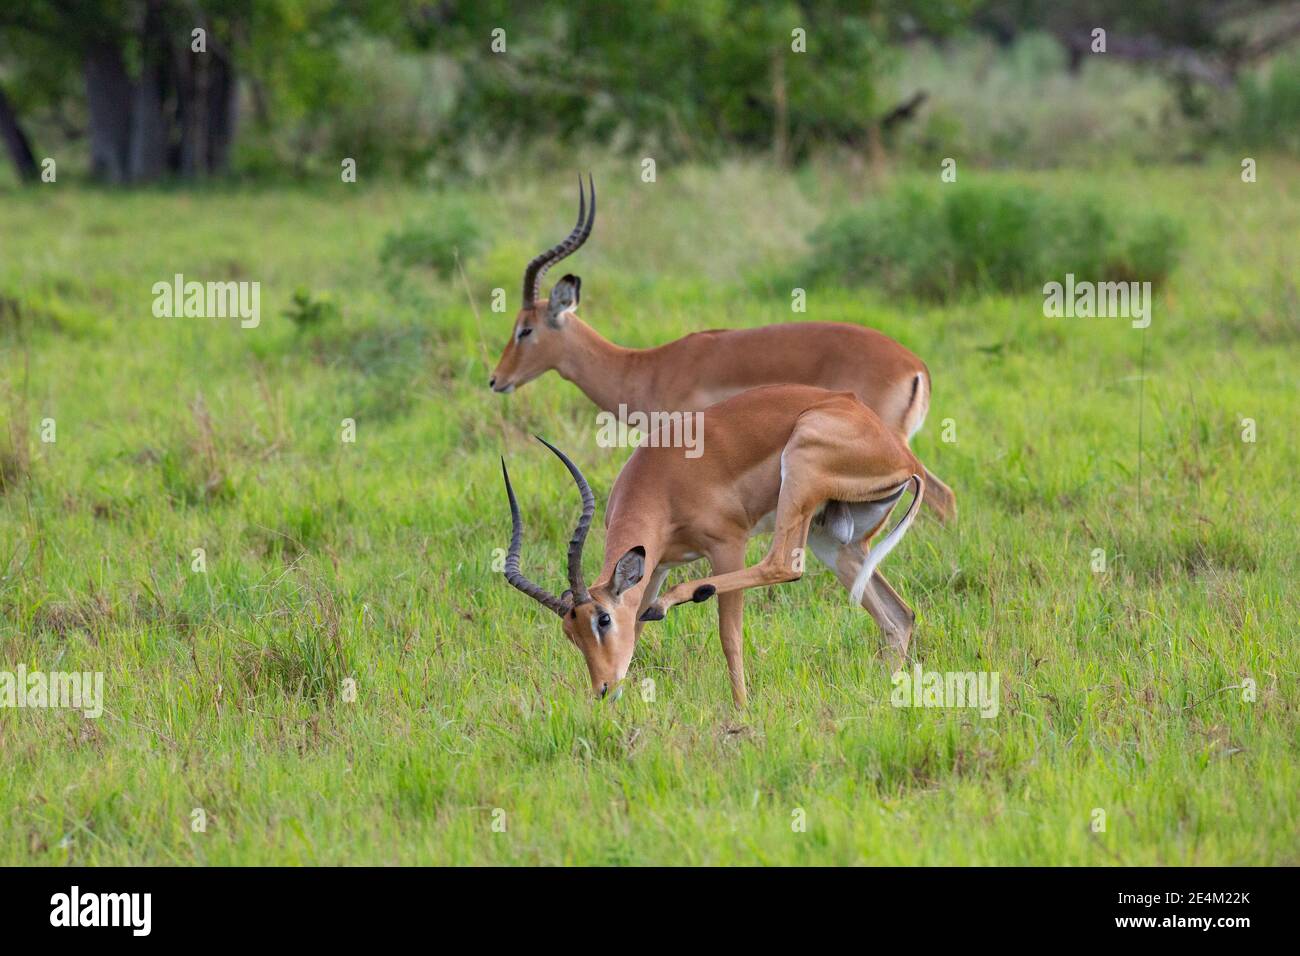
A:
742,440
835,356
699,370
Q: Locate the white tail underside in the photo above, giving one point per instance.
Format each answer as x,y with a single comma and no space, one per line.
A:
878,553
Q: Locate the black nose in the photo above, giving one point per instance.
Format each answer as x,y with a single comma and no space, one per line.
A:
604,689
492,382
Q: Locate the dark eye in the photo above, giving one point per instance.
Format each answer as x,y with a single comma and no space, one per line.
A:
525,331
603,621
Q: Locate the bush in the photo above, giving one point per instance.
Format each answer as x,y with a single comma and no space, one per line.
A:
306,312
1270,105
434,242
937,243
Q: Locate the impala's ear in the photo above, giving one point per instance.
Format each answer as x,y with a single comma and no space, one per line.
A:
629,570
564,298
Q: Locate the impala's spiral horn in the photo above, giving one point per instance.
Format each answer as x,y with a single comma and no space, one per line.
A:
580,595
538,267
512,572
513,575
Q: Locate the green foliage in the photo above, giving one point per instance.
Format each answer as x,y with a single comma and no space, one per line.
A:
944,240
1270,105
307,312
434,241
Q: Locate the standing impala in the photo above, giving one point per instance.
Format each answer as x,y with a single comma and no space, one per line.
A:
813,466
698,370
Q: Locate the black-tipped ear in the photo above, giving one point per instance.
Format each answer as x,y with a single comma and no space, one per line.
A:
564,298
629,570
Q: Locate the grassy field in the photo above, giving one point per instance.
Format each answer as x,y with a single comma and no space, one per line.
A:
325,560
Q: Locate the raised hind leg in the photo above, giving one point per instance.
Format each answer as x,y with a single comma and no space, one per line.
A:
828,458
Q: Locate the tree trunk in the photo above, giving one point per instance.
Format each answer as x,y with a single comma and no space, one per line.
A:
108,97
207,91
221,112
16,142
149,126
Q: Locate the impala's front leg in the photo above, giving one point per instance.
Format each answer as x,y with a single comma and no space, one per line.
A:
731,617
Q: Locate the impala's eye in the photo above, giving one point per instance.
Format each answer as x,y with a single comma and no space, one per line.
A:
525,331
603,621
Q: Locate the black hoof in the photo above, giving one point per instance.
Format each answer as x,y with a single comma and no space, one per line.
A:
652,613
703,593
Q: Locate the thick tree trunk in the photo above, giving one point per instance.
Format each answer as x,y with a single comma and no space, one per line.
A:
207,91
149,125
108,97
16,141
179,114
222,103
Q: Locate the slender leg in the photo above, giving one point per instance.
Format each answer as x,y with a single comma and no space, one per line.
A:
881,601
893,615
657,578
793,516
731,616
939,497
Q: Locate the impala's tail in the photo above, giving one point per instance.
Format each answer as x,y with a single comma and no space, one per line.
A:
940,498
878,553
918,405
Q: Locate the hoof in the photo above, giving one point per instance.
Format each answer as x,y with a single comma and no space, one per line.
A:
652,613
703,593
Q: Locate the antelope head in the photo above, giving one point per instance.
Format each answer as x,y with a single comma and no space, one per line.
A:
601,621
537,342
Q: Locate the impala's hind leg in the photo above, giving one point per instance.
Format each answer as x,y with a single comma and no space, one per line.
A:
828,458
794,512
657,578
890,612
940,498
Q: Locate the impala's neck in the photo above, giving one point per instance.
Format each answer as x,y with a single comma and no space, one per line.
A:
635,519
607,374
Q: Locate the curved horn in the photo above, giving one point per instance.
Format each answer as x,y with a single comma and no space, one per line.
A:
512,572
537,268
580,595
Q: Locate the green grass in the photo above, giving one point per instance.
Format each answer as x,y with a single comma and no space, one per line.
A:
372,561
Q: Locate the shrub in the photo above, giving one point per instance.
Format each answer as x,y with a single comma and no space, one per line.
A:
937,243
1270,105
306,312
434,242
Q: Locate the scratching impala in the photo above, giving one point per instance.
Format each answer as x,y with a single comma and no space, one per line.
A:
698,370
815,467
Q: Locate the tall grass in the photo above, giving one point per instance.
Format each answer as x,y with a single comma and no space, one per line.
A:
373,561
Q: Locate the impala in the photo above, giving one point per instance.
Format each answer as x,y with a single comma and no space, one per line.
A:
698,370
815,467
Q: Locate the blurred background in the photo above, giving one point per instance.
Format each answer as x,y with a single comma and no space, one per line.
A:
427,91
